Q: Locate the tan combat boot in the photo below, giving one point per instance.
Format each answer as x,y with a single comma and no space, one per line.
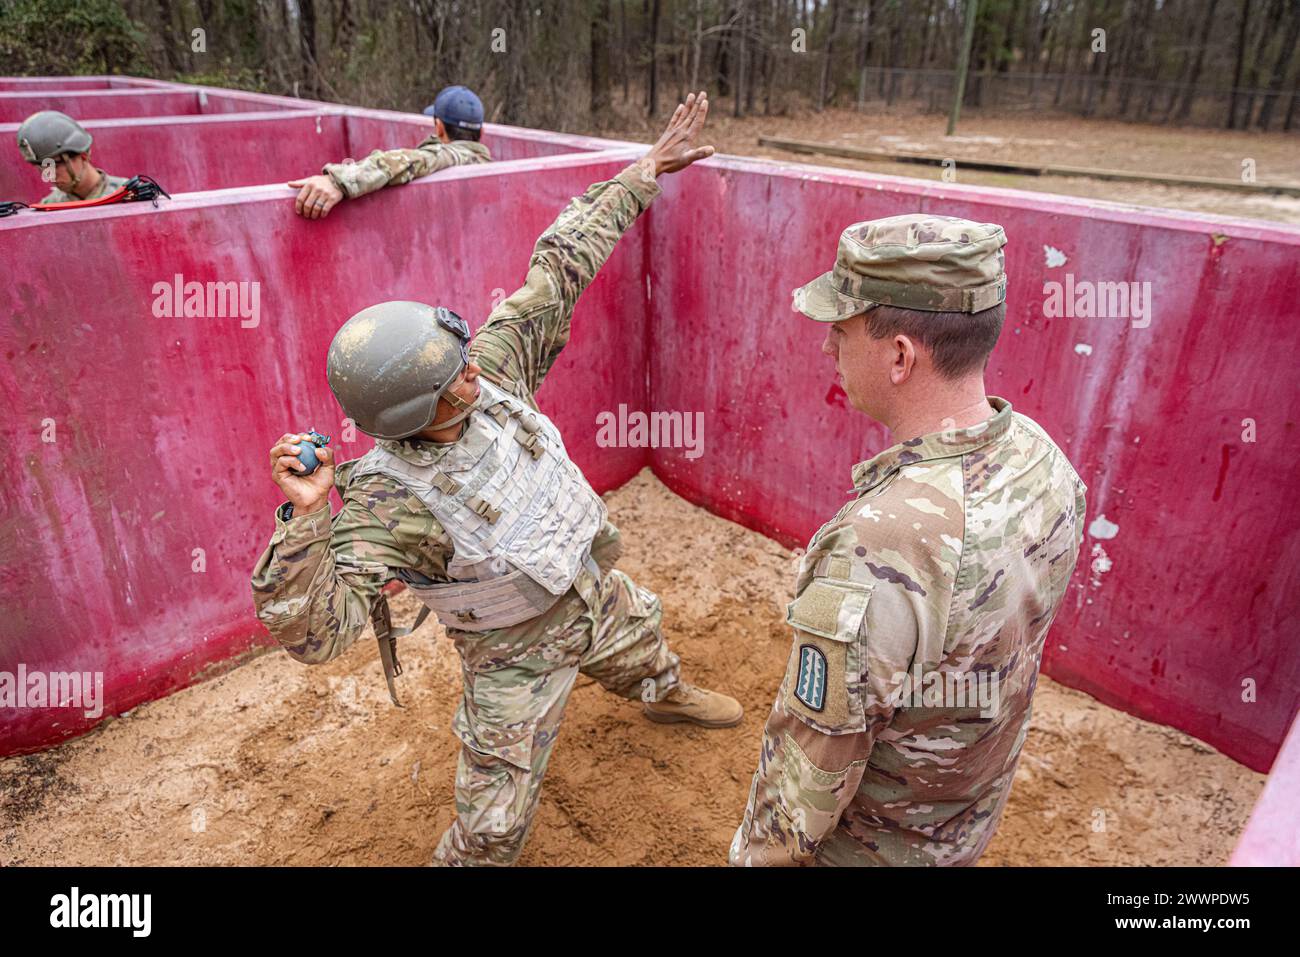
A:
685,702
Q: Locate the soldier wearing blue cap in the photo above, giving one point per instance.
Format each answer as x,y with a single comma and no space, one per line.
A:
457,125
458,110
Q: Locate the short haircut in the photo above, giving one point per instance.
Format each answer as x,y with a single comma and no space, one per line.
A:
455,132
959,343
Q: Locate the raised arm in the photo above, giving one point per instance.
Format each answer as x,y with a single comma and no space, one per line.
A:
524,335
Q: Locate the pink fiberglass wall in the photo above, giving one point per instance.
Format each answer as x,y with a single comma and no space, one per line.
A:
1272,835
136,439
16,106
1184,608
368,130
194,153
139,440
39,83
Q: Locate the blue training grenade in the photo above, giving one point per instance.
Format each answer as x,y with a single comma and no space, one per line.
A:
307,456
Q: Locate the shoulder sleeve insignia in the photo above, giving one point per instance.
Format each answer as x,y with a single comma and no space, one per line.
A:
810,682
824,677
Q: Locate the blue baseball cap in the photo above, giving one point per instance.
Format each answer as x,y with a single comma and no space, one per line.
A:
457,106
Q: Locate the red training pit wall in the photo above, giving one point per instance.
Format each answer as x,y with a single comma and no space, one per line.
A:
194,153
199,153
39,83
1184,608
134,440
116,104
368,130
1272,835
138,439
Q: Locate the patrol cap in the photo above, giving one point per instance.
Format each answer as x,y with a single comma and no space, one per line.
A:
457,106
48,134
914,261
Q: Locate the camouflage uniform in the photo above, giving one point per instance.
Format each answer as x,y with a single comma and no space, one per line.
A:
317,582
947,565
106,185
398,167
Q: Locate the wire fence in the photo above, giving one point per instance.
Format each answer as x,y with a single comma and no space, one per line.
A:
1147,101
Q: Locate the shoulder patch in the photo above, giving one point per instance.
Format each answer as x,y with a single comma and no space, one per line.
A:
822,684
810,682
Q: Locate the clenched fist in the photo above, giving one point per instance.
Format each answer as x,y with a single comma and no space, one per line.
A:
307,493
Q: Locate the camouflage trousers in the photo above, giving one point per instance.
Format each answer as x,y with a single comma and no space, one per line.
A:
516,683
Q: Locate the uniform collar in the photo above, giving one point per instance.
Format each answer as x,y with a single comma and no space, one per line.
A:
103,188
464,146
937,445
418,451
473,442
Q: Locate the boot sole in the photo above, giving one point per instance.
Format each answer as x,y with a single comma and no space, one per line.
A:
682,719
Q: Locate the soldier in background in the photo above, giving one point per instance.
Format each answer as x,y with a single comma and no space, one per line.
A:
60,145
921,608
470,499
458,124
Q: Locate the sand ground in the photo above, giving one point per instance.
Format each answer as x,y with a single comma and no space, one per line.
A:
1066,141
280,763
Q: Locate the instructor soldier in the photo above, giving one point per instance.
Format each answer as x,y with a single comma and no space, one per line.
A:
470,499
457,125
921,608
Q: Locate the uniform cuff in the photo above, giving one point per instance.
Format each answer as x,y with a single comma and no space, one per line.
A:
298,532
639,183
332,171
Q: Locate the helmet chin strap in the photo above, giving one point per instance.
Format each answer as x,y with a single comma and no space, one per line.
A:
457,402
77,180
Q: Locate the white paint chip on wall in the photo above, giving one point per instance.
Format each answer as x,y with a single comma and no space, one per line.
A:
1103,528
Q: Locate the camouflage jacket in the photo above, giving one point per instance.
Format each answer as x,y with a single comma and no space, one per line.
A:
317,581
919,617
397,167
107,184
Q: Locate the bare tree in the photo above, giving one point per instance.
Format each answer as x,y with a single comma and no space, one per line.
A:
1286,55
1189,90
600,33
652,79
824,88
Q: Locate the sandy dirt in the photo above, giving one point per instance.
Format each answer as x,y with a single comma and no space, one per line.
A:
281,763
1067,141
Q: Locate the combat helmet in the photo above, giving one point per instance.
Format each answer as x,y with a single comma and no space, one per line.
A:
391,362
49,134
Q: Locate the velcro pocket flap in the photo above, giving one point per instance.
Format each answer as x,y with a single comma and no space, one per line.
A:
829,609
823,679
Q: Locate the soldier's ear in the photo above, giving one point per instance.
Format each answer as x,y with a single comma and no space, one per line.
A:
905,359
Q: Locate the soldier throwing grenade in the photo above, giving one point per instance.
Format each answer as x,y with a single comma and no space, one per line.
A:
470,499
